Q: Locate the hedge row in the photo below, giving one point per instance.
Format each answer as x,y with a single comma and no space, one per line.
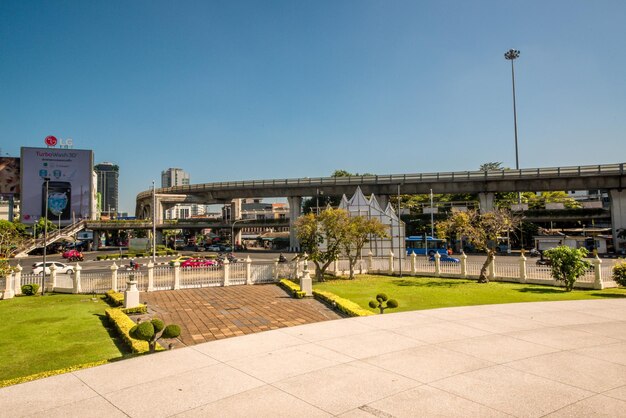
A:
123,324
133,255
342,305
41,375
292,288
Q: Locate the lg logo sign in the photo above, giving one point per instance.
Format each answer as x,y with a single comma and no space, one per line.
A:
52,141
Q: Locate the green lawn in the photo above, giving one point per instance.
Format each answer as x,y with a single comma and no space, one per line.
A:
415,293
43,333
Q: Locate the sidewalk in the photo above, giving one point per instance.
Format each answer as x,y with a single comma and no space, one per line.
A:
529,360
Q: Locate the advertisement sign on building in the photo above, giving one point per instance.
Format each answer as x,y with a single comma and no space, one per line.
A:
9,175
67,173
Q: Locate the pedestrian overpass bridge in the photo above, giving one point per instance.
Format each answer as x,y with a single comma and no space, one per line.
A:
611,177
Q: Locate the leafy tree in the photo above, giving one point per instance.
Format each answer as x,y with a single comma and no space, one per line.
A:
568,264
11,236
482,230
383,302
491,166
322,237
5,268
358,231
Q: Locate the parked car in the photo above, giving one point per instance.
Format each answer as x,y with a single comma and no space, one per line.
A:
60,268
214,247
197,262
180,259
445,259
73,255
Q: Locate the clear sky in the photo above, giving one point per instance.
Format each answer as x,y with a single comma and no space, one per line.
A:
234,90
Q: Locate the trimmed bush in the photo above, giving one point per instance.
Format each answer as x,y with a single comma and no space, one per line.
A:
114,298
141,309
619,273
30,289
383,302
342,305
152,331
292,288
123,324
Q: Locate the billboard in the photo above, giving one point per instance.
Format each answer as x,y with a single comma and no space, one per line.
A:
64,175
9,175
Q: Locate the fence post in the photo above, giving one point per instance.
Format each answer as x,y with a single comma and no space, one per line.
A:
492,268
176,275
226,272
77,285
522,268
275,272
249,269
306,283
53,276
597,266
413,263
17,283
114,268
8,286
463,265
370,261
437,264
390,268
150,277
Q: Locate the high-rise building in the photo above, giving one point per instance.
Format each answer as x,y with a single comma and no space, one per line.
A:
174,177
107,179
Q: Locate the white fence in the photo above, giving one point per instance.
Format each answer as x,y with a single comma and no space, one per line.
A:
521,271
155,278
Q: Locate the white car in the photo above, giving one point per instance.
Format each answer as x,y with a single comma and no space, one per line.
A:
60,268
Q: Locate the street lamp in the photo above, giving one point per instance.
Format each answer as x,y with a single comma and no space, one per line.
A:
512,55
154,224
45,238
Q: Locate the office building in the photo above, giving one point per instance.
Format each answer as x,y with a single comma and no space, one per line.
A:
174,177
107,184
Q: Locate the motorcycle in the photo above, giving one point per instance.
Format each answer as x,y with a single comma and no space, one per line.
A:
534,253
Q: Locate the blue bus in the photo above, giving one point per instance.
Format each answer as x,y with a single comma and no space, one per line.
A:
425,244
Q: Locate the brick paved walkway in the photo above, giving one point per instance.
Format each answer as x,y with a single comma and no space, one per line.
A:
214,313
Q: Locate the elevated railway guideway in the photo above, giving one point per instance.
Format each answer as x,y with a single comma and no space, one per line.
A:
610,177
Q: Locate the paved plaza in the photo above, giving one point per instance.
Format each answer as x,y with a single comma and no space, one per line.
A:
213,313
556,359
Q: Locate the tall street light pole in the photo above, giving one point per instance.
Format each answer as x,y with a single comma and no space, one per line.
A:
512,55
45,238
154,224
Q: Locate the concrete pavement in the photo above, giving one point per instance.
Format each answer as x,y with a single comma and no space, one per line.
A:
552,359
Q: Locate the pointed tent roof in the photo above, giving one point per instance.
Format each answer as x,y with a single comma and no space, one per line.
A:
358,199
374,204
390,212
344,204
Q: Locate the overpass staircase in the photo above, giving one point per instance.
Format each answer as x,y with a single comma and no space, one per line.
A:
67,232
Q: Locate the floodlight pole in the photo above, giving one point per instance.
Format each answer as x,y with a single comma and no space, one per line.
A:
154,224
45,239
512,55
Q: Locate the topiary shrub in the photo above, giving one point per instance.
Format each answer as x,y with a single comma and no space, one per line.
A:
152,331
382,302
30,289
568,264
619,273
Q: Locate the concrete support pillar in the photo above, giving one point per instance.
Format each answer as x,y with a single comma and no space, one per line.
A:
159,211
618,216
235,209
158,237
486,201
96,240
383,200
295,206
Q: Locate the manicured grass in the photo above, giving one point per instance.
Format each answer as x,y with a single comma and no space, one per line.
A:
415,293
43,333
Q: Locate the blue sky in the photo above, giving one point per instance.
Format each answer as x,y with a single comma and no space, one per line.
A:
233,90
